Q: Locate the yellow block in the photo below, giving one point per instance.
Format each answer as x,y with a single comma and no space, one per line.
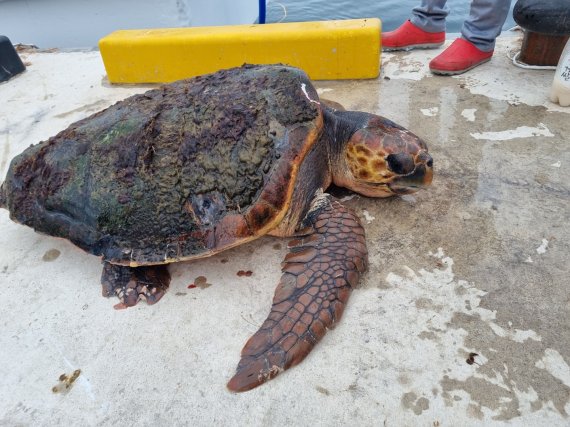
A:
346,49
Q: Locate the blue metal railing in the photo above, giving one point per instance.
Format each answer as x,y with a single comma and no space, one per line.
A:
262,11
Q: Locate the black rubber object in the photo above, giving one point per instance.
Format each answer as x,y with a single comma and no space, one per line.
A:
10,62
543,16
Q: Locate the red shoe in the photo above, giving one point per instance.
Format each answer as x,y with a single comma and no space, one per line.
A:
459,57
407,36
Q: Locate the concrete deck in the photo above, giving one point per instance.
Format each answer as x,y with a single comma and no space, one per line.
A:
478,263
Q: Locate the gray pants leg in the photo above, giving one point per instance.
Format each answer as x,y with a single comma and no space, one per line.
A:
485,22
430,15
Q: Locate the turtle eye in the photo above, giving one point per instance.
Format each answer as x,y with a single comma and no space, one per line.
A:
400,163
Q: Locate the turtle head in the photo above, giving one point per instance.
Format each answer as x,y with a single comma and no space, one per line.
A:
383,159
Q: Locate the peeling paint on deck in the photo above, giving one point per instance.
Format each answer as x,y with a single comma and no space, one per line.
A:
403,352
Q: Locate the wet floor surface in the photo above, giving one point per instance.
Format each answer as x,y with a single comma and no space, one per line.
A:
499,209
463,316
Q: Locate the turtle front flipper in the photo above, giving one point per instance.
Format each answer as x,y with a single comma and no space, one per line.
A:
131,284
319,272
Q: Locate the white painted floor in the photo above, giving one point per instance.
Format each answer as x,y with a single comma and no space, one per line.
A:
478,263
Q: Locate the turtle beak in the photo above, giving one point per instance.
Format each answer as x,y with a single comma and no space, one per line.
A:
421,176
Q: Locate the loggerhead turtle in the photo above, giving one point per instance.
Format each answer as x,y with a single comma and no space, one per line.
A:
201,165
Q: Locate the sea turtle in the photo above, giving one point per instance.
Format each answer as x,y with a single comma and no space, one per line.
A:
201,165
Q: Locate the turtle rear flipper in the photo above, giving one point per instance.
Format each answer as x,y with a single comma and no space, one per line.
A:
3,197
131,284
319,272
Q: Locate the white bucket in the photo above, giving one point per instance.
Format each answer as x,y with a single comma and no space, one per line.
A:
560,91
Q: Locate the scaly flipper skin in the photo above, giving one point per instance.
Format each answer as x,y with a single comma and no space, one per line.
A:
131,284
319,272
